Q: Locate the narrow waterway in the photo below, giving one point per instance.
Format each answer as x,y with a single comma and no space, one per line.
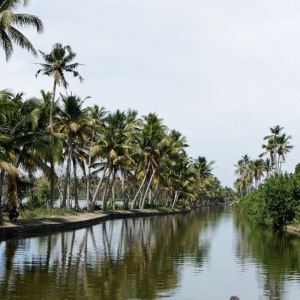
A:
208,254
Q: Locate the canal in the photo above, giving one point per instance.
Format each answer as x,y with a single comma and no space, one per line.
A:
209,254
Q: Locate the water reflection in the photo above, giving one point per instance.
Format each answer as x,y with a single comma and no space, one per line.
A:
138,258
207,254
275,253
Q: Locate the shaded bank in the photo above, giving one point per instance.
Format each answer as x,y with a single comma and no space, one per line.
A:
47,225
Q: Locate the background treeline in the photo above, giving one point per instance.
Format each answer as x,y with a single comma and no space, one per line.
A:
96,154
276,201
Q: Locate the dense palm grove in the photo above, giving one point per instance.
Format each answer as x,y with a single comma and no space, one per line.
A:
139,159
53,148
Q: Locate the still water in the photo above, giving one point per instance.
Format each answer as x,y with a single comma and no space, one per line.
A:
208,254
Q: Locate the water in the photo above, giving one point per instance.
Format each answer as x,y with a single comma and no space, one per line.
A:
208,254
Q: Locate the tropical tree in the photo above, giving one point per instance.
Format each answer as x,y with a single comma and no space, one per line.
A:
9,19
148,142
268,167
204,168
275,133
74,123
284,147
96,115
57,62
257,167
110,147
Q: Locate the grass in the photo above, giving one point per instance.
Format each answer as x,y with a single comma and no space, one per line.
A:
58,212
44,213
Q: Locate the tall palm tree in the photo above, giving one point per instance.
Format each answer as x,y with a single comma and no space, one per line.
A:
284,147
257,167
110,146
56,63
73,122
8,32
269,148
148,141
204,168
97,115
268,167
275,133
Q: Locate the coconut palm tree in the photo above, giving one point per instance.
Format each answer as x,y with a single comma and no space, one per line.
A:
284,147
204,168
111,147
257,167
148,141
269,148
268,167
97,115
9,19
275,133
57,62
73,122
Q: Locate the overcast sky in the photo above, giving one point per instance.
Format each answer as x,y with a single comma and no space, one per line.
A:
220,72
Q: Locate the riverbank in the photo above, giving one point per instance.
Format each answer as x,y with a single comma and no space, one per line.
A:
53,224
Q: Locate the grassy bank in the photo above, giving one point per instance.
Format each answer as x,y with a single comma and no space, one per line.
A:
59,212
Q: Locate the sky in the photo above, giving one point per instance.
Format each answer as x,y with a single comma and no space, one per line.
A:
220,72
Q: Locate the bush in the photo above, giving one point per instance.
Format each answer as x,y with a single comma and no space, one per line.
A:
276,202
39,197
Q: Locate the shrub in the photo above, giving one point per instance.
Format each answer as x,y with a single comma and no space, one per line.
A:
276,202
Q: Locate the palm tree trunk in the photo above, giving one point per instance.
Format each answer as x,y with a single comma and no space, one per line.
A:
175,200
149,184
67,180
91,207
154,195
52,106
75,185
1,190
123,189
52,183
88,179
52,180
142,184
108,188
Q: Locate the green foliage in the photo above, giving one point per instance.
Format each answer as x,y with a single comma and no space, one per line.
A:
39,197
276,202
297,169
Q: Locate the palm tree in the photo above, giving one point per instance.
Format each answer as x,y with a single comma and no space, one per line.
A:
283,149
269,148
58,61
73,122
8,32
257,167
268,167
203,168
110,147
148,141
275,133
29,144
96,115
